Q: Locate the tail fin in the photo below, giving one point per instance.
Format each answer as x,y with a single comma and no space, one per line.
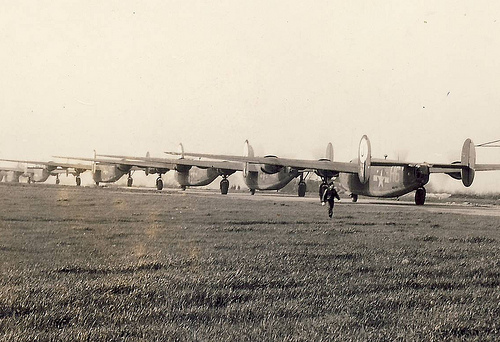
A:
326,175
247,152
93,162
468,160
364,159
181,147
146,171
329,152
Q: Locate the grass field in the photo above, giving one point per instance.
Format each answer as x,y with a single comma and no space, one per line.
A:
91,264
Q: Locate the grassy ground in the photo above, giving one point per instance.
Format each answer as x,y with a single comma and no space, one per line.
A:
86,264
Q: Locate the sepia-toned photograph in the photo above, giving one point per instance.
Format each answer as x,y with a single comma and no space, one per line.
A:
249,171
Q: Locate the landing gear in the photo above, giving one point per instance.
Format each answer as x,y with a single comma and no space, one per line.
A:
322,189
252,191
302,186
302,189
29,180
420,196
78,181
224,186
57,179
130,180
354,198
183,187
159,183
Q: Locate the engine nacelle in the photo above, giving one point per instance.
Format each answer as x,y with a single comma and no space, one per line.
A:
326,173
270,168
422,173
182,168
123,168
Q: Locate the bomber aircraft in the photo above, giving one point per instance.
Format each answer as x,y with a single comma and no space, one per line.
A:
109,168
260,176
110,171
373,177
39,171
11,174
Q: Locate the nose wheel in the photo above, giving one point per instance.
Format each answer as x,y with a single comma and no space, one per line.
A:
159,183
322,188
420,196
130,180
302,188
224,186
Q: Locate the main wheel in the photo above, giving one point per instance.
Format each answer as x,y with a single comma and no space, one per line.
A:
302,189
78,181
159,183
130,180
322,189
252,191
420,196
57,181
354,198
224,186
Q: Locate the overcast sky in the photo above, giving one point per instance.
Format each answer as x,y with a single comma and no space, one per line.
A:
124,77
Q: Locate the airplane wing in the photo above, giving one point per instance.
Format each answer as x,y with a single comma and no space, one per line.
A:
51,164
226,165
122,162
162,163
14,169
300,164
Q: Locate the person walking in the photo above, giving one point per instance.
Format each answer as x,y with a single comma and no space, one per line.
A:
329,194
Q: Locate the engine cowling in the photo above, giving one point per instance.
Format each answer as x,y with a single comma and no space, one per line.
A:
326,173
270,168
422,173
124,168
182,168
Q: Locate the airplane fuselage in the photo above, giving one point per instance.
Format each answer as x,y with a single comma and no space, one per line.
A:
386,181
258,180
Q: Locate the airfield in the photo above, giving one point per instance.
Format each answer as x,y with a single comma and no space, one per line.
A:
100,264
